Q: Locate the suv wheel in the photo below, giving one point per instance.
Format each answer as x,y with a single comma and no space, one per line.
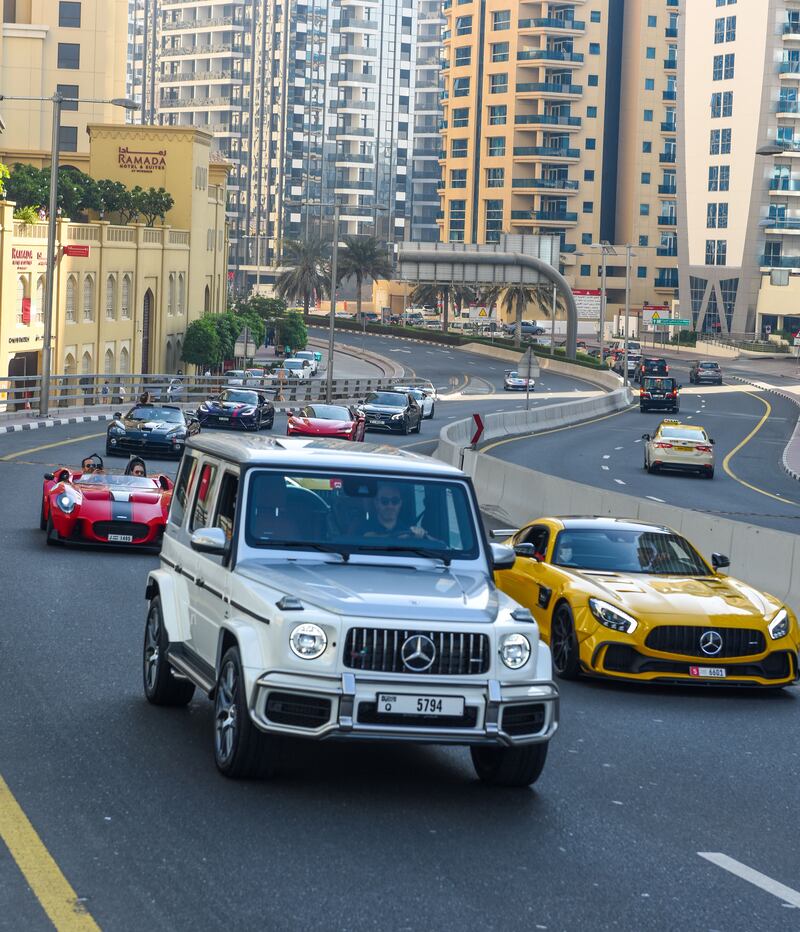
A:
564,644
240,749
509,766
160,686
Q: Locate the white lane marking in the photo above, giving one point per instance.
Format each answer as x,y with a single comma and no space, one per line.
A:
787,894
639,440
620,482
400,351
654,499
617,448
605,468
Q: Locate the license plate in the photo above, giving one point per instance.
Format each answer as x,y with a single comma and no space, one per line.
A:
684,449
403,704
120,538
714,672
220,418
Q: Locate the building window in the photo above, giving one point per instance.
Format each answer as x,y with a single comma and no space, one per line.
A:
463,25
729,66
463,56
39,317
458,178
716,71
652,21
588,174
593,80
496,145
648,116
730,29
460,87
713,178
498,83
181,292
719,30
458,148
595,16
724,177
722,216
68,90
711,216
641,271
644,210
497,115
725,143
125,298
495,177
588,207
594,48
88,299
111,298
69,14
458,214
494,220
68,138
171,295
69,55
644,240
711,250
461,117
649,84
650,52
714,139
501,19
586,271
500,51
71,299
645,177
591,143
722,252
727,104
591,112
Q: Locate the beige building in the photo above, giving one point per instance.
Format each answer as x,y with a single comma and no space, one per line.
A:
559,119
124,295
78,48
739,212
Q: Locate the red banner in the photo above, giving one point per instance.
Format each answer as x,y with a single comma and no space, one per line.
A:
26,311
77,252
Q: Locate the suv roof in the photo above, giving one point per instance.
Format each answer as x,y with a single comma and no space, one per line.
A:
316,453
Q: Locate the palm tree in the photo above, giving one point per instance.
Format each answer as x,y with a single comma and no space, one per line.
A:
516,298
363,257
458,293
304,271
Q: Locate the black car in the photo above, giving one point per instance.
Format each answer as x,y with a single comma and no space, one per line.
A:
149,429
239,409
705,372
395,411
660,394
651,365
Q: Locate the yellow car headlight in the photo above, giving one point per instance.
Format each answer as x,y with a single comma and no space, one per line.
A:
612,617
779,626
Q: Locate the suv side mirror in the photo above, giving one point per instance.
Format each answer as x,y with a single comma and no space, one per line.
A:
645,436
210,540
719,561
527,550
503,557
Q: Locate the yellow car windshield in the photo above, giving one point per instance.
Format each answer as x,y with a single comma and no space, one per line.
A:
627,551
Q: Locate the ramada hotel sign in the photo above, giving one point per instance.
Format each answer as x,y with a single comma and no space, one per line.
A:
143,163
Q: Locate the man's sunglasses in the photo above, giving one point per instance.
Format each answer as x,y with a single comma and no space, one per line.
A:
389,499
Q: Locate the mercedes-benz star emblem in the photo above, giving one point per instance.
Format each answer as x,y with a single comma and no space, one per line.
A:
418,653
711,643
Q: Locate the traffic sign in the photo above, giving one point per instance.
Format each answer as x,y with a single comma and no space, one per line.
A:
478,429
672,322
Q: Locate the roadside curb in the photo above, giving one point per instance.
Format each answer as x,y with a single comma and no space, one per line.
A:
54,422
794,441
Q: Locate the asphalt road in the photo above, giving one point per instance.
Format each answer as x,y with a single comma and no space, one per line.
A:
127,800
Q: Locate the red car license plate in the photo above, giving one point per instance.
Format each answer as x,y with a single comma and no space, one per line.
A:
120,538
713,672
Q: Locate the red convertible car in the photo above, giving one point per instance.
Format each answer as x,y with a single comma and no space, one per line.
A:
101,508
326,421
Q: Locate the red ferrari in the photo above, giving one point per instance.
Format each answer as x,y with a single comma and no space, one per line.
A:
98,508
326,421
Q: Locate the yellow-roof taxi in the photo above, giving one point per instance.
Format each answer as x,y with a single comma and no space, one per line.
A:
681,447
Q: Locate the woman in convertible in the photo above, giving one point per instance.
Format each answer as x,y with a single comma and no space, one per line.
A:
136,467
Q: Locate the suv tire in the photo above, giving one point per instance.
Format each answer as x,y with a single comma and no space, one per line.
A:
240,749
520,766
160,686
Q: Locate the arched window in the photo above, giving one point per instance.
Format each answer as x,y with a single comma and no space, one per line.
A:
181,292
108,362
39,314
111,298
72,296
69,364
20,297
171,295
124,361
207,301
86,363
178,353
170,357
88,299
125,303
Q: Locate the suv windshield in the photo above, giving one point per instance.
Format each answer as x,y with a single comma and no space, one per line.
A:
149,413
391,399
351,513
628,551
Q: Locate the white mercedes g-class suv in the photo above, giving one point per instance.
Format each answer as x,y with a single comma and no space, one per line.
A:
326,589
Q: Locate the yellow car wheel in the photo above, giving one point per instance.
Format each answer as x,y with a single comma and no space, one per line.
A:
564,644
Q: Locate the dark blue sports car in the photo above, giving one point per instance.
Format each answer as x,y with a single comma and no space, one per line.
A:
239,409
150,429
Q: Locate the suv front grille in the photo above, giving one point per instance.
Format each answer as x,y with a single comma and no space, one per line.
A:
685,639
380,650
134,529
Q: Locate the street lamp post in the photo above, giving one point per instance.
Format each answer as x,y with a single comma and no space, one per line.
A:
58,101
628,254
607,250
332,322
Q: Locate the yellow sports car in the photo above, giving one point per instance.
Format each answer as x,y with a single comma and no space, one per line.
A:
628,600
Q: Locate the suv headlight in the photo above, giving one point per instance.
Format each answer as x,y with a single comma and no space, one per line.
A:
612,617
515,650
308,641
779,626
398,417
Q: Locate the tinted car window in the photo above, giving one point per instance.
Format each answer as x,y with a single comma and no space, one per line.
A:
326,412
182,487
628,551
205,488
391,399
149,413
247,398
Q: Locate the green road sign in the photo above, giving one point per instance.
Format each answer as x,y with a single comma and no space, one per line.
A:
670,322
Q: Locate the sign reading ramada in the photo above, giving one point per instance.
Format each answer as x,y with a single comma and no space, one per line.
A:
142,162
26,257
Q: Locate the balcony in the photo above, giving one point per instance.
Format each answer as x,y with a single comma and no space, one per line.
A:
789,67
667,189
351,105
554,216
547,89
667,158
780,262
791,29
667,251
546,152
355,158
667,279
667,220
668,126
671,32
784,185
547,119
350,77
669,95
198,51
670,64
545,184
781,224
546,55
201,25
360,25
353,185
784,107
552,22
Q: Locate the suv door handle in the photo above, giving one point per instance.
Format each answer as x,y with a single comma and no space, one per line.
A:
199,582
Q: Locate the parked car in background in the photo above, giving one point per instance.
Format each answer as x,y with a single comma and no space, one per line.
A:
705,371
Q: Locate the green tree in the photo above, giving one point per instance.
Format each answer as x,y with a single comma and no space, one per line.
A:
227,328
303,272
293,331
27,186
363,258
113,197
153,204
433,293
77,192
516,299
26,214
5,174
201,345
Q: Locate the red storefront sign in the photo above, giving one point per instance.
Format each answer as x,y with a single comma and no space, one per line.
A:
77,252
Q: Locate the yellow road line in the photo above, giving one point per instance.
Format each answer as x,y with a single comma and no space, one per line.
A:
553,430
747,439
43,875
49,446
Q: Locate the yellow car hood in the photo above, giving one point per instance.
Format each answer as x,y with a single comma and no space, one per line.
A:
691,597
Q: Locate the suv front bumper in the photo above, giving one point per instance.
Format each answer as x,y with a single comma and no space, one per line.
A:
322,707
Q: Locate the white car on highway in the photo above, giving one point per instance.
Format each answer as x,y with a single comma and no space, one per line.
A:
424,399
310,358
316,592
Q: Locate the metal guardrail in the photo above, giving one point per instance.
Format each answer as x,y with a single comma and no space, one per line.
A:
22,393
